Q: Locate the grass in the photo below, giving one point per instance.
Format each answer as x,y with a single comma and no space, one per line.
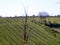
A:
11,32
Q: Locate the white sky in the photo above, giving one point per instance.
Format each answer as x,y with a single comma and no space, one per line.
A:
16,7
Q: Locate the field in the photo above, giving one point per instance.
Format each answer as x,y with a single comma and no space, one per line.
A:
12,30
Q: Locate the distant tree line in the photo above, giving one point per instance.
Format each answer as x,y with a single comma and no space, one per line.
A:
40,14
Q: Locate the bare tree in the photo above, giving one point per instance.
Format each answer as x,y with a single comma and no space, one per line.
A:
43,14
25,29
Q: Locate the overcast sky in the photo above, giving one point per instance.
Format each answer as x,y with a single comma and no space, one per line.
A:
16,7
